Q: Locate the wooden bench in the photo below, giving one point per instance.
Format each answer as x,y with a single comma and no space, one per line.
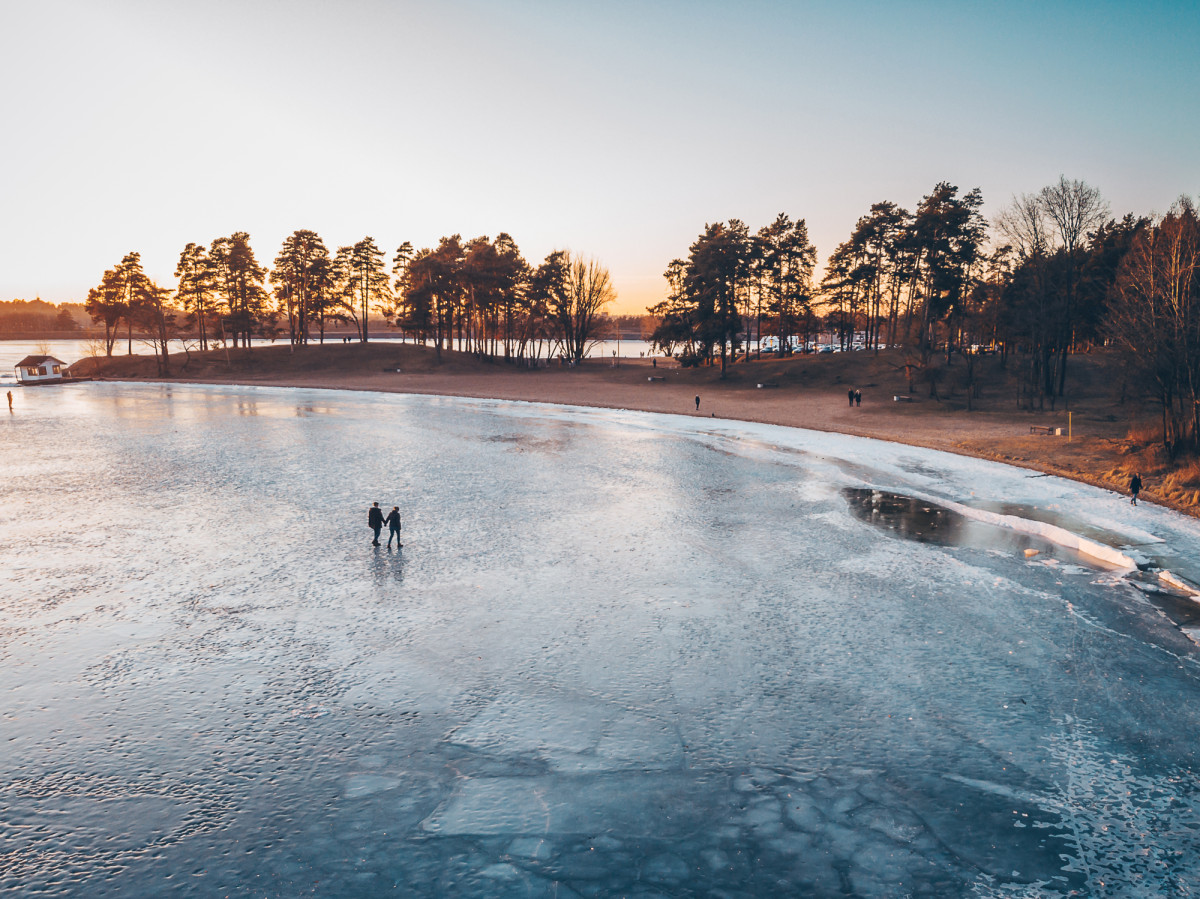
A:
1040,429
901,399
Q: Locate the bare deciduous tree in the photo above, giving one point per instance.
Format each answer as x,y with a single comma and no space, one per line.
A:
587,289
1024,224
1076,208
1049,231
1155,319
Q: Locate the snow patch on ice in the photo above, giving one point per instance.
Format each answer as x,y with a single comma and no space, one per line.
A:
1050,532
1179,584
1139,559
816,492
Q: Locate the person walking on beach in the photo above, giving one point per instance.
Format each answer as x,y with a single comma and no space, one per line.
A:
393,523
1135,487
375,521
10,401
857,397
850,393
697,403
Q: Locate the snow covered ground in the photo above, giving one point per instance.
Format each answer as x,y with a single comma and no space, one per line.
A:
619,654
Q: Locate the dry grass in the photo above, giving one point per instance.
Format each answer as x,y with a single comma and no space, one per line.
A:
1182,484
1187,477
1145,433
1175,482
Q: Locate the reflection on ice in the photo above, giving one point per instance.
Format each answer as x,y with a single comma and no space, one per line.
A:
618,655
927,522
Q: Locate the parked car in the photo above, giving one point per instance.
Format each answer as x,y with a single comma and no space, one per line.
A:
771,344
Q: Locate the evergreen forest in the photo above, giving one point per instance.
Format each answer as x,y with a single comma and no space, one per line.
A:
1054,274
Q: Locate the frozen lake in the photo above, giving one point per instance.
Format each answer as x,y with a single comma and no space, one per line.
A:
619,654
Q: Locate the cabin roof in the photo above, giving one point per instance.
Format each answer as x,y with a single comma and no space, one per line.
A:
37,360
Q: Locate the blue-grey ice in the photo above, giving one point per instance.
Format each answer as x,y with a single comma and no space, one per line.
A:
619,654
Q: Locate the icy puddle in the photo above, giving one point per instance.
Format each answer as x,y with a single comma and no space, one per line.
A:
927,522
618,655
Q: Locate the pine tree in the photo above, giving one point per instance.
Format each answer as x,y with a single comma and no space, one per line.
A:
367,281
197,286
239,280
300,276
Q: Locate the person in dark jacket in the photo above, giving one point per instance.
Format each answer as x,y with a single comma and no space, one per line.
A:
1135,487
393,523
850,393
375,521
857,397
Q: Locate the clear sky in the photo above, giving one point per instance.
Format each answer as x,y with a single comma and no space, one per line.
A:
614,129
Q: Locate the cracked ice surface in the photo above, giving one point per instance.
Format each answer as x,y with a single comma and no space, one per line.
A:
619,654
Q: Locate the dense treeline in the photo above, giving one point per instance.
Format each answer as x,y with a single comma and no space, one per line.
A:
484,295
481,293
36,316
1053,275
1154,318
737,285
900,276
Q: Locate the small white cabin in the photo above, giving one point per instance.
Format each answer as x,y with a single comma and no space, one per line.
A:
36,369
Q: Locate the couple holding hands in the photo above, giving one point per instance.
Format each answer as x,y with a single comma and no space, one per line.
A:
376,521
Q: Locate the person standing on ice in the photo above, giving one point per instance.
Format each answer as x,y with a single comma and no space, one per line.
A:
375,521
1135,487
393,523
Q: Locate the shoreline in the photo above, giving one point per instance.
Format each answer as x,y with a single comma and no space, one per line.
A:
1127,566
799,419
799,392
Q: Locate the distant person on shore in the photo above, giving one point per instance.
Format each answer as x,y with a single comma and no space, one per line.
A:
10,401
857,397
697,403
375,521
850,393
393,523
1135,487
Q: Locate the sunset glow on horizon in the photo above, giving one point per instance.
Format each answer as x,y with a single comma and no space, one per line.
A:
614,130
